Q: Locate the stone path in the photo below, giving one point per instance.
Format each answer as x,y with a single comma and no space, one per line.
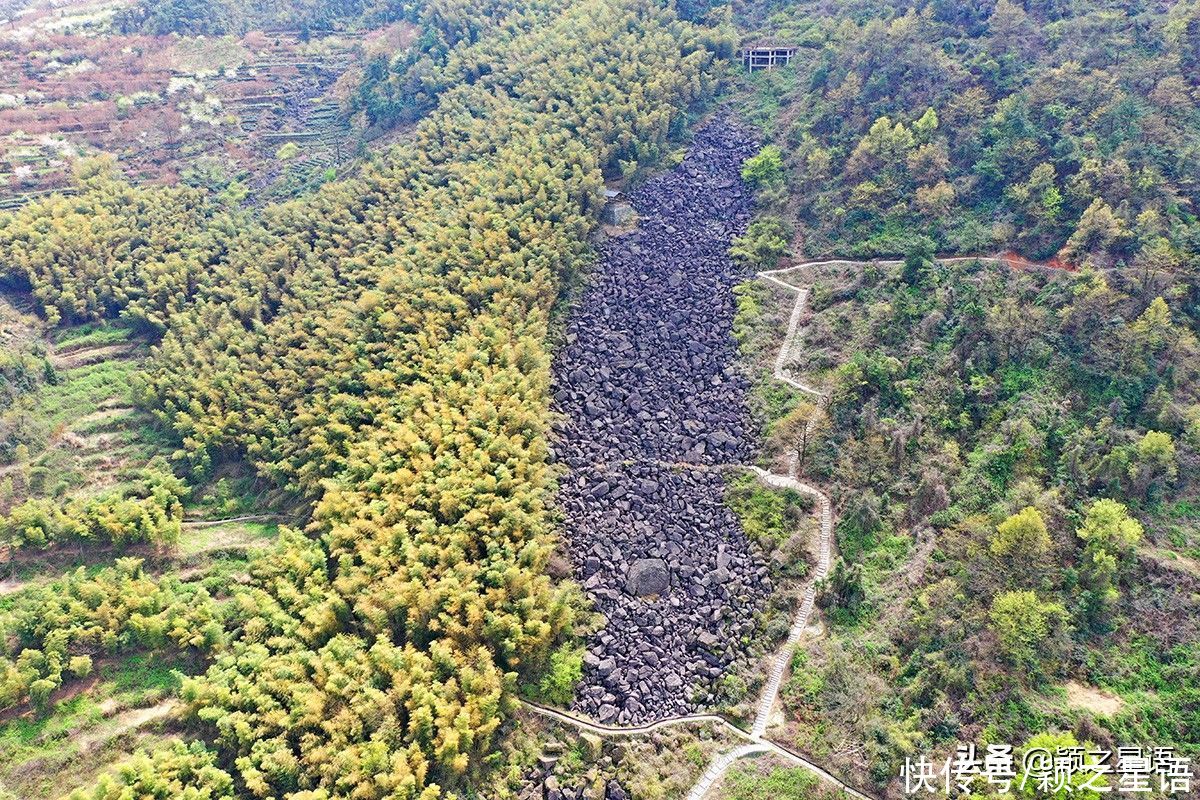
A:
824,546
721,763
584,724
770,693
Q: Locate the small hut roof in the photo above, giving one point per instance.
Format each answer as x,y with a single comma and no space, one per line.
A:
770,44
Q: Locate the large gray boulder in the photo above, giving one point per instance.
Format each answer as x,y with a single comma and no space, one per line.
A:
648,576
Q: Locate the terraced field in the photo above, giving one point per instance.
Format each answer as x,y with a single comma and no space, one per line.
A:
207,111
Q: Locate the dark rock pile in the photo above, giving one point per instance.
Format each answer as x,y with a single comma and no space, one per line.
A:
647,380
552,789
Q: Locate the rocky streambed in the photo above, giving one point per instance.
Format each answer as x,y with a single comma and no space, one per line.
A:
651,398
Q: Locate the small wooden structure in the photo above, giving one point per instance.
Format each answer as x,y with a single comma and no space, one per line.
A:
618,212
767,56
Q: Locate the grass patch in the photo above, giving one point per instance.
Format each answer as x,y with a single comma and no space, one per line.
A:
774,518
225,537
116,447
759,330
44,757
762,96
768,515
142,678
750,298
77,433
557,684
1160,686
82,390
92,334
1177,523
750,781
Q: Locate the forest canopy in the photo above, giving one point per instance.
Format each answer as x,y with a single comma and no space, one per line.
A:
1010,441
1047,128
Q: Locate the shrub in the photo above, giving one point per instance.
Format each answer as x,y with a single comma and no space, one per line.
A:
1109,535
765,242
1023,536
1108,525
177,770
764,169
1026,627
557,686
80,666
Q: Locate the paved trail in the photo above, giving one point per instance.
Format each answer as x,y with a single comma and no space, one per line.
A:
770,693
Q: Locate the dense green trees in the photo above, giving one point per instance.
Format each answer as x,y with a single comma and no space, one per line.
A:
1029,629
458,43
54,632
115,250
1109,535
148,510
220,17
1040,127
1047,411
176,772
378,348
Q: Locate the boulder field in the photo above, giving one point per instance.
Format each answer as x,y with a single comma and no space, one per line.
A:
650,396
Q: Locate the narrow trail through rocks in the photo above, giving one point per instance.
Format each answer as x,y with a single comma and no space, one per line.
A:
770,694
824,546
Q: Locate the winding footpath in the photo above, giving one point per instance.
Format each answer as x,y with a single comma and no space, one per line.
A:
770,693
825,544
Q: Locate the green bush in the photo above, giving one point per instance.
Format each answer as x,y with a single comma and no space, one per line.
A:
1027,628
747,782
557,686
764,169
80,666
177,770
766,241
